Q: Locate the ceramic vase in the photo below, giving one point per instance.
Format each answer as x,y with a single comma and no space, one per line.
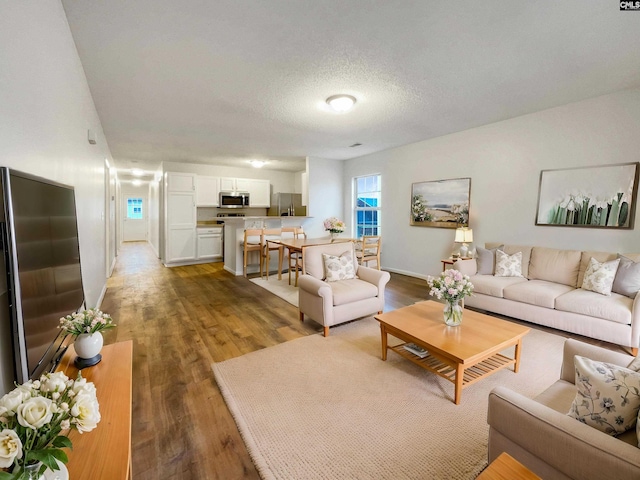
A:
453,313
88,346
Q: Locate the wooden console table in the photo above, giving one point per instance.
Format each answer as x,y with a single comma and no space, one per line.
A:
105,452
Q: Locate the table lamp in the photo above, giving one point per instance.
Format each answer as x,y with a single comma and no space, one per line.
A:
464,235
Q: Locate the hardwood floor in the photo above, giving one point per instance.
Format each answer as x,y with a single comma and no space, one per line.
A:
181,320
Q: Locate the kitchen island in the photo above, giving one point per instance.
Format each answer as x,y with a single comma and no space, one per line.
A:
234,236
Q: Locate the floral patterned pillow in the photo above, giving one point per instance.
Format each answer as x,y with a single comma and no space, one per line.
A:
599,276
508,265
608,396
338,268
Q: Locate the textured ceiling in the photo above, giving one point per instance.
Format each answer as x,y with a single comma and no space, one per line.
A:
224,81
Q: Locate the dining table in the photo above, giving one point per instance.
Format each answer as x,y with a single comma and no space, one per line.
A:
298,244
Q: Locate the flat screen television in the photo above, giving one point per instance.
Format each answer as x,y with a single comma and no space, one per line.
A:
39,236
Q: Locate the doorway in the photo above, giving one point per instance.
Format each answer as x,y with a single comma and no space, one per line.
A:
135,217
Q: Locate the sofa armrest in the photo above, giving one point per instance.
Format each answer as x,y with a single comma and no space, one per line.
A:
466,267
565,444
574,347
314,286
373,276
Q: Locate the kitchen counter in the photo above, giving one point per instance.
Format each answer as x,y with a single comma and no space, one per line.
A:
234,237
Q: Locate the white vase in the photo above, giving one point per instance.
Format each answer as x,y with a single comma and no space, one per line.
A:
88,345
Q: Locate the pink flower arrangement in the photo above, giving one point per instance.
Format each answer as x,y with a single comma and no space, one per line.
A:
450,285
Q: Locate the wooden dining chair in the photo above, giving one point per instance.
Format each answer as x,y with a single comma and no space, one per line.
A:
267,247
295,258
252,243
369,250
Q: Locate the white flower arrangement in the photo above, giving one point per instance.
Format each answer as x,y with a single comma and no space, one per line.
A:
36,417
334,225
450,285
87,321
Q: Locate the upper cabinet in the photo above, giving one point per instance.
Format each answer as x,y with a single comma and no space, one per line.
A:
259,192
207,191
181,182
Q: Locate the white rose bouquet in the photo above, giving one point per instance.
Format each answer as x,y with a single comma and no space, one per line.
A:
35,418
450,285
334,225
87,321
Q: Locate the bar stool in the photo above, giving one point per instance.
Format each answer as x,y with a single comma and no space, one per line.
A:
267,248
252,243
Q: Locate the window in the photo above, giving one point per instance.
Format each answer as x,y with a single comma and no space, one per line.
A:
134,208
367,205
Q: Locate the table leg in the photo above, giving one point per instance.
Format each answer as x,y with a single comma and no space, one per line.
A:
459,379
516,366
280,255
383,332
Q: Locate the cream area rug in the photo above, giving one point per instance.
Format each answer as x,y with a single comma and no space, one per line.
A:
281,288
330,408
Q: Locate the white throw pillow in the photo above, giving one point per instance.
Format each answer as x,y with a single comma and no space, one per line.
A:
338,268
508,265
608,396
599,276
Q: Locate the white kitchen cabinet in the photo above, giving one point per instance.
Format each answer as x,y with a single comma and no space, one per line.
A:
181,182
207,191
260,192
227,184
209,243
180,218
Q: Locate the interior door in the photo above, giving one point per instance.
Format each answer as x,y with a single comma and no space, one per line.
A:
135,218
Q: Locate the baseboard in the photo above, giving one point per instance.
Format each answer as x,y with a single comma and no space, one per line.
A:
102,294
113,265
407,273
231,271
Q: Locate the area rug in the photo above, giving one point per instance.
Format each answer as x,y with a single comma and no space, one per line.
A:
330,408
281,288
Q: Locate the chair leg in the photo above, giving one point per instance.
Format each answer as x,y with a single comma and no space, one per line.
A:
634,351
326,331
380,312
301,317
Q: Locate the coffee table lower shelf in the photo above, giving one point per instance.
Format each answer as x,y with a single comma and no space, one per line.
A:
471,373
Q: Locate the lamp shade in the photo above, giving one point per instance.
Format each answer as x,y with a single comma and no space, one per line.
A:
464,235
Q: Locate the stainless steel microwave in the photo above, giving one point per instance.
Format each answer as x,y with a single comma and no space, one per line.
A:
234,199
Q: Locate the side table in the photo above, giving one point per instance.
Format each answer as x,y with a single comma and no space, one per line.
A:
451,261
505,467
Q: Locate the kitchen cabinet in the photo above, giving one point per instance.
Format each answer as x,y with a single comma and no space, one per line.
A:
230,184
181,182
180,218
209,243
207,191
260,193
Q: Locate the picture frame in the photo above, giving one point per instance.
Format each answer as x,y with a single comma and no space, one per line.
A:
441,203
602,196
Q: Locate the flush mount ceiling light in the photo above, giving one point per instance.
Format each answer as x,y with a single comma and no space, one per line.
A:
341,103
136,183
258,163
136,172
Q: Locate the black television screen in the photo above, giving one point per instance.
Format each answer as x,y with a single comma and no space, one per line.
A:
42,257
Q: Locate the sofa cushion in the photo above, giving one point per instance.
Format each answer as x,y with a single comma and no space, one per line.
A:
553,265
349,291
627,281
587,256
486,258
493,286
508,265
511,249
616,308
599,276
536,292
607,397
338,267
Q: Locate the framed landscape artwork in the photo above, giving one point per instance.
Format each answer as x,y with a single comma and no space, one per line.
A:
441,203
592,197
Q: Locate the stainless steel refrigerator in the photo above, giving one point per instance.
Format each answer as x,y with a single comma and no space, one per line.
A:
287,204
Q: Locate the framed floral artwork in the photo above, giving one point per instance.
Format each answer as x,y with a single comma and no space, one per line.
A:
592,197
441,203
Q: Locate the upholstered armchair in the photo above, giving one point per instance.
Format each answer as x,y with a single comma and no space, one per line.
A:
332,302
540,435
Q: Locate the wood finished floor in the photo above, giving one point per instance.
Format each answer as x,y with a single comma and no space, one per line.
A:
181,320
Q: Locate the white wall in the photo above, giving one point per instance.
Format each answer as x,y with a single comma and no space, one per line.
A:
46,110
154,216
504,162
326,194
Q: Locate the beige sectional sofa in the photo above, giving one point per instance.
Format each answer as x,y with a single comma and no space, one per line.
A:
548,294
